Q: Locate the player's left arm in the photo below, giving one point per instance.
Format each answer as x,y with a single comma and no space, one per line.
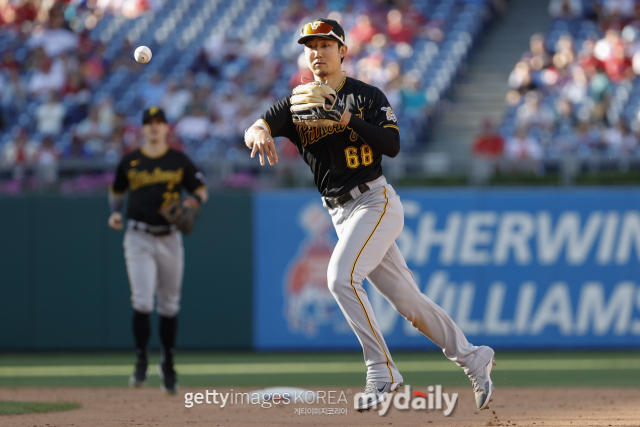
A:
194,182
379,128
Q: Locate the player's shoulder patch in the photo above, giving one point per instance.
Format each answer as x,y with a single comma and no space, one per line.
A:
391,116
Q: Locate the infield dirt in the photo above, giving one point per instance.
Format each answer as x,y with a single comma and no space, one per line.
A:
537,407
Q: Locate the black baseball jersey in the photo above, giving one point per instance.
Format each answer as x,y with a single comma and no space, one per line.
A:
155,182
339,158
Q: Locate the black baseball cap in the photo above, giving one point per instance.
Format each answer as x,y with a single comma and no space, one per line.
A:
153,113
321,27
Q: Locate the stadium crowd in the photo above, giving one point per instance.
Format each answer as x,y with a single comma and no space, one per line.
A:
63,65
569,91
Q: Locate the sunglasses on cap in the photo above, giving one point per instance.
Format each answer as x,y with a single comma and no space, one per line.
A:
320,29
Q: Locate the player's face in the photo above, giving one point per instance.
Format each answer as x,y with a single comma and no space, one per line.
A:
156,130
323,56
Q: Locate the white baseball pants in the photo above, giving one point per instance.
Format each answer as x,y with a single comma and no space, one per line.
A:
367,228
155,265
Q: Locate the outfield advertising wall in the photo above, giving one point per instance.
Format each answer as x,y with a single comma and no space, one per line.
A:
64,284
514,268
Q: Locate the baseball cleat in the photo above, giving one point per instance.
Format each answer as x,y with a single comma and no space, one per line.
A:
169,379
483,386
374,394
139,377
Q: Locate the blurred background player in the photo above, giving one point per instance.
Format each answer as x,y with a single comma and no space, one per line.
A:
155,175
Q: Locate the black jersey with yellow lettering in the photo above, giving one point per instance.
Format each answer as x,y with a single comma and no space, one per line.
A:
338,157
154,182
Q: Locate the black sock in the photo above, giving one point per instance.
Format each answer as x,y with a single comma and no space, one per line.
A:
168,329
141,333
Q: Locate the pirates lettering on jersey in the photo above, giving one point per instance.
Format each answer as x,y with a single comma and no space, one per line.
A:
343,159
155,182
310,135
138,179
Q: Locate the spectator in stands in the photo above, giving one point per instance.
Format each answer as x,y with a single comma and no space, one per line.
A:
50,77
76,150
397,30
363,31
414,102
520,78
618,8
565,117
50,115
577,89
586,56
13,94
93,132
94,65
229,107
106,113
534,113
629,139
538,55
195,126
615,62
9,61
586,138
619,140
18,154
175,101
524,148
115,147
17,13
152,92
600,90
202,64
47,158
489,144
612,139
77,96
565,9
57,37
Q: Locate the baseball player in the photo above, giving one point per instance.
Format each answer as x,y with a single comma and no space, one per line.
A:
342,129
155,176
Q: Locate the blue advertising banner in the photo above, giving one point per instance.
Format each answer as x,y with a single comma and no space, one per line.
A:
513,268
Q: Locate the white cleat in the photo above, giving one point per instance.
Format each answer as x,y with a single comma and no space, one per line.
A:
374,394
483,386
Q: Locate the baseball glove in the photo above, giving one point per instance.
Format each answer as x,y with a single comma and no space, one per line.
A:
310,108
184,218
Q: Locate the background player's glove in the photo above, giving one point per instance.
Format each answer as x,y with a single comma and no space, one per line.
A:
310,108
183,217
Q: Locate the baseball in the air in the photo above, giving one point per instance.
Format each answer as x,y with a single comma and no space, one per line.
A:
142,54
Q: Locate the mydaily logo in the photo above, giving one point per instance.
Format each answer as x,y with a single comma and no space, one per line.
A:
404,400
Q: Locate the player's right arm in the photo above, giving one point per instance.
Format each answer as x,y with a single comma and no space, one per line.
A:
275,122
116,197
259,140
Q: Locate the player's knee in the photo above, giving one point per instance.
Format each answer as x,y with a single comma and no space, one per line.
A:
143,307
168,310
338,282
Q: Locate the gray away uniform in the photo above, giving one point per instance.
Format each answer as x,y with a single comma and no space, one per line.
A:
368,217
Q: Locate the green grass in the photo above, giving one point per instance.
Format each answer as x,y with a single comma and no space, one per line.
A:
515,369
8,407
